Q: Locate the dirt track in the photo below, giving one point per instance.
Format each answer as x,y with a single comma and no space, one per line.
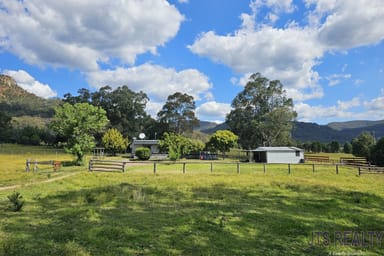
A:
38,182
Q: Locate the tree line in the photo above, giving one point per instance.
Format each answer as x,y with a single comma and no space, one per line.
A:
261,115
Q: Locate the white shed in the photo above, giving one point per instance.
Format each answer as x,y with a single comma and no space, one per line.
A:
289,155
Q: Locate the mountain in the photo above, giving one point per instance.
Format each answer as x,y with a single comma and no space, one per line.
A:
205,125
16,102
341,131
354,124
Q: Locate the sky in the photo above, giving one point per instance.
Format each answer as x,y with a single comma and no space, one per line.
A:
328,54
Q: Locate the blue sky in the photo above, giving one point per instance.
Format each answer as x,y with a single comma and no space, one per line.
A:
327,53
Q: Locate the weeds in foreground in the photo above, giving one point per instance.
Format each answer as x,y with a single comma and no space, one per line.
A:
16,201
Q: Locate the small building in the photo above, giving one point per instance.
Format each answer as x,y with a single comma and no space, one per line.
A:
289,155
153,145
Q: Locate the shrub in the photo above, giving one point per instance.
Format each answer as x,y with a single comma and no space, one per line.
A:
173,155
114,141
143,153
15,202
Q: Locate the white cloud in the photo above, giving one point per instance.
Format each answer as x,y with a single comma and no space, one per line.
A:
344,110
352,23
156,81
213,111
82,34
376,105
285,54
308,113
30,84
336,79
152,108
277,5
291,54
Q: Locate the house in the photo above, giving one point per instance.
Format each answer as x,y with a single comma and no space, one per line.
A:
289,155
153,145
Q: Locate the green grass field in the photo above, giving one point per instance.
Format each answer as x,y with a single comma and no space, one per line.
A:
196,213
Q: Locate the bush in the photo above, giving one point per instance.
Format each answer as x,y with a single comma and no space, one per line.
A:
173,155
15,202
143,153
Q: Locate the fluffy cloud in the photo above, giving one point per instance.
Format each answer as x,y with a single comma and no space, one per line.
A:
371,110
158,82
285,54
346,25
308,113
82,34
213,111
291,53
28,83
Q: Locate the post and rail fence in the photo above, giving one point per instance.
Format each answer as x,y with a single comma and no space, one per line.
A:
114,165
34,164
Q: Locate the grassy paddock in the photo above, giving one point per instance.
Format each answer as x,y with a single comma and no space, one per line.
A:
13,163
196,213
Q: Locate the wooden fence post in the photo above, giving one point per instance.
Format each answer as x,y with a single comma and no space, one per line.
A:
154,167
313,168
28,165
337,169
183,168
35,167
211,167
238,168
265,168
359,171
289,168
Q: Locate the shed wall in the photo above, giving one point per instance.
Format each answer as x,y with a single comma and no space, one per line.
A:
284,157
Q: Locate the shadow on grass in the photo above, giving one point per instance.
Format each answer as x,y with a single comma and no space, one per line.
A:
126,219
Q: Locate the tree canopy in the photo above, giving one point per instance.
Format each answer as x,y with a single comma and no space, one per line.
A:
361,145
223,141
124,108
78,124
114,142
262,114
377,153
178,113
177,145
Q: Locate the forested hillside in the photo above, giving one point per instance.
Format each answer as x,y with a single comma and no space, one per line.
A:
16,102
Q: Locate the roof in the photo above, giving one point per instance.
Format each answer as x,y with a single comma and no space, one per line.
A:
276,149
146,142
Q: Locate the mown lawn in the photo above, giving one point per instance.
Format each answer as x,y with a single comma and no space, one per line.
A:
196,213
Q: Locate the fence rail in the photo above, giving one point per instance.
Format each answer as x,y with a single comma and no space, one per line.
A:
371,170
212,166
34,164
106,165
313,158
354,161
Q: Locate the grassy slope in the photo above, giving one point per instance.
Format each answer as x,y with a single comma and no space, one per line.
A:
138,213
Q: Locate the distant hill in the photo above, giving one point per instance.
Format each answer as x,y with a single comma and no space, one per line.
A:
205,125
211,130
354,124
343,131
16,102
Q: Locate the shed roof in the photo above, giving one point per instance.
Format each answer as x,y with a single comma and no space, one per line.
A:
277,149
